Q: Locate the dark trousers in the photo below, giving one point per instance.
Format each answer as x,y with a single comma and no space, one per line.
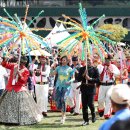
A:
88,101
1,91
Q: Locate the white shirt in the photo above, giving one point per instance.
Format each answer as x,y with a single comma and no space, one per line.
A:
113,70
32,66
45,74
3,74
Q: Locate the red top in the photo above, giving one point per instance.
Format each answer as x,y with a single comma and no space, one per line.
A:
20,85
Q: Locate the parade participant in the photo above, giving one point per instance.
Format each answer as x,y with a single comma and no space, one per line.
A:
42,85
63,85
32,66
108,72
76,94
120,99
128,66
16,104
123,77
30,83
118,79
88,90
3,74
96,62
32,79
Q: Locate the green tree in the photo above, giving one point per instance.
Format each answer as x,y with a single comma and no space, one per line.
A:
117,32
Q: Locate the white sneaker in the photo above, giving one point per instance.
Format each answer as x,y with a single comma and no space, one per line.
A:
63,119
85,123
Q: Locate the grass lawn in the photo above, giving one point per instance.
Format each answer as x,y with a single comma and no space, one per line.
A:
52,122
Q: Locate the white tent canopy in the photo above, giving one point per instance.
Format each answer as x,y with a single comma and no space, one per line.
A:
54,36
50,37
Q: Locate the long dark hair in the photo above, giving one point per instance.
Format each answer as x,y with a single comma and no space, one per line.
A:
65,58
14,59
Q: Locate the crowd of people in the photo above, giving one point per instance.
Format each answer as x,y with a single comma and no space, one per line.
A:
24,88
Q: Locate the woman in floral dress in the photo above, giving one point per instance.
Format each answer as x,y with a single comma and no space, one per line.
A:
63,84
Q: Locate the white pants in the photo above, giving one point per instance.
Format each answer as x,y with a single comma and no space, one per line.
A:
125,81
42,96
104,102
76,96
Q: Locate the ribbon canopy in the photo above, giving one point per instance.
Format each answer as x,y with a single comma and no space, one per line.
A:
20,34
84,36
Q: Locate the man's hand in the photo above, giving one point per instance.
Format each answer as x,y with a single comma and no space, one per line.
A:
87,77
85,72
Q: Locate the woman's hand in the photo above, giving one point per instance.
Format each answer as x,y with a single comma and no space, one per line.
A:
19,74
53,66
68,83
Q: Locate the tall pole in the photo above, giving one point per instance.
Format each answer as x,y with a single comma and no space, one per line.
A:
86,57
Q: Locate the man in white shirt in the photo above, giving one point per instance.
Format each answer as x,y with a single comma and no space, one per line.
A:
42,85
107,73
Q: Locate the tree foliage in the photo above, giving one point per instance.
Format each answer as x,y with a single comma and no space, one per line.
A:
117,32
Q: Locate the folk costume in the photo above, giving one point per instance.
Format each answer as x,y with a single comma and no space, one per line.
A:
107,78
16,104
42,86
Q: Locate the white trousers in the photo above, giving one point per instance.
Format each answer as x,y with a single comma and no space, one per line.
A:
125,81
104,102
76,96
42,96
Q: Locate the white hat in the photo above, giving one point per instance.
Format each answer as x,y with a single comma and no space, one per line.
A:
120,94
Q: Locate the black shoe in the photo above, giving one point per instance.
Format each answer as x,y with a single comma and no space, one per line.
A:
101,114
85,123
72,110
113,113
44,114
93,119
75,114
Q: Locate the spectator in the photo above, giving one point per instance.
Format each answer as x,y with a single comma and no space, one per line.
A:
120,99
121,125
